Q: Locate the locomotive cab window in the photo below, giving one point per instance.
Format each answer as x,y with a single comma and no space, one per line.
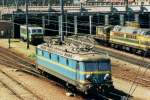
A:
91,66
105,65
39,31
34,31
99,65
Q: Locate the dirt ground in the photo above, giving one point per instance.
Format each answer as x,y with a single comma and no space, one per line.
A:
43,88
121,67
47,90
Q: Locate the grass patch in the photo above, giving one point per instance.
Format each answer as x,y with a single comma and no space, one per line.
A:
32,56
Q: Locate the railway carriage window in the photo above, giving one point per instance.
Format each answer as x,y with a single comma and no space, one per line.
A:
134,32
131,36
39,30
33,30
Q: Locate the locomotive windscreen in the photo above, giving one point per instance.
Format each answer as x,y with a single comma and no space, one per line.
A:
103,65
99,69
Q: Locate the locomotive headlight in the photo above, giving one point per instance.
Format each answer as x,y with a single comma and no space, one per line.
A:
87,76
107,77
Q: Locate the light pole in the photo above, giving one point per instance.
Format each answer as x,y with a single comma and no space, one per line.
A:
126,4
61,17
3,3
27,24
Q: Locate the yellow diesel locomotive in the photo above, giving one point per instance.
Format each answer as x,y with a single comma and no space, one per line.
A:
133,39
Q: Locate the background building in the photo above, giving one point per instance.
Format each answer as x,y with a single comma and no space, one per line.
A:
145,2
119,1
56,2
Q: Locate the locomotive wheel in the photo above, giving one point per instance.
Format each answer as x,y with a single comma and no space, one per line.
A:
133,50
70,89
40,71
112,45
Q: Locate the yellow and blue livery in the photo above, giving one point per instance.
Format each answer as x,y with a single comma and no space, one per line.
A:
131,38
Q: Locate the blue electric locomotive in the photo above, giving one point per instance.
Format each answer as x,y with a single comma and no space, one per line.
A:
76,65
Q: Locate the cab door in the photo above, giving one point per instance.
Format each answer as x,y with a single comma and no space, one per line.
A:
77,72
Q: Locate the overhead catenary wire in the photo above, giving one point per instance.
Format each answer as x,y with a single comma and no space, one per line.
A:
134,81
45,28
69,23
147,68
82,24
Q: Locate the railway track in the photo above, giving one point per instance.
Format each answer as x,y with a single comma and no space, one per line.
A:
20,91
13,56
12,60
140,81
144,62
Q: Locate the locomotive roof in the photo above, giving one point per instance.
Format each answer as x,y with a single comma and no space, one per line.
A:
33,27
72,52
132,30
